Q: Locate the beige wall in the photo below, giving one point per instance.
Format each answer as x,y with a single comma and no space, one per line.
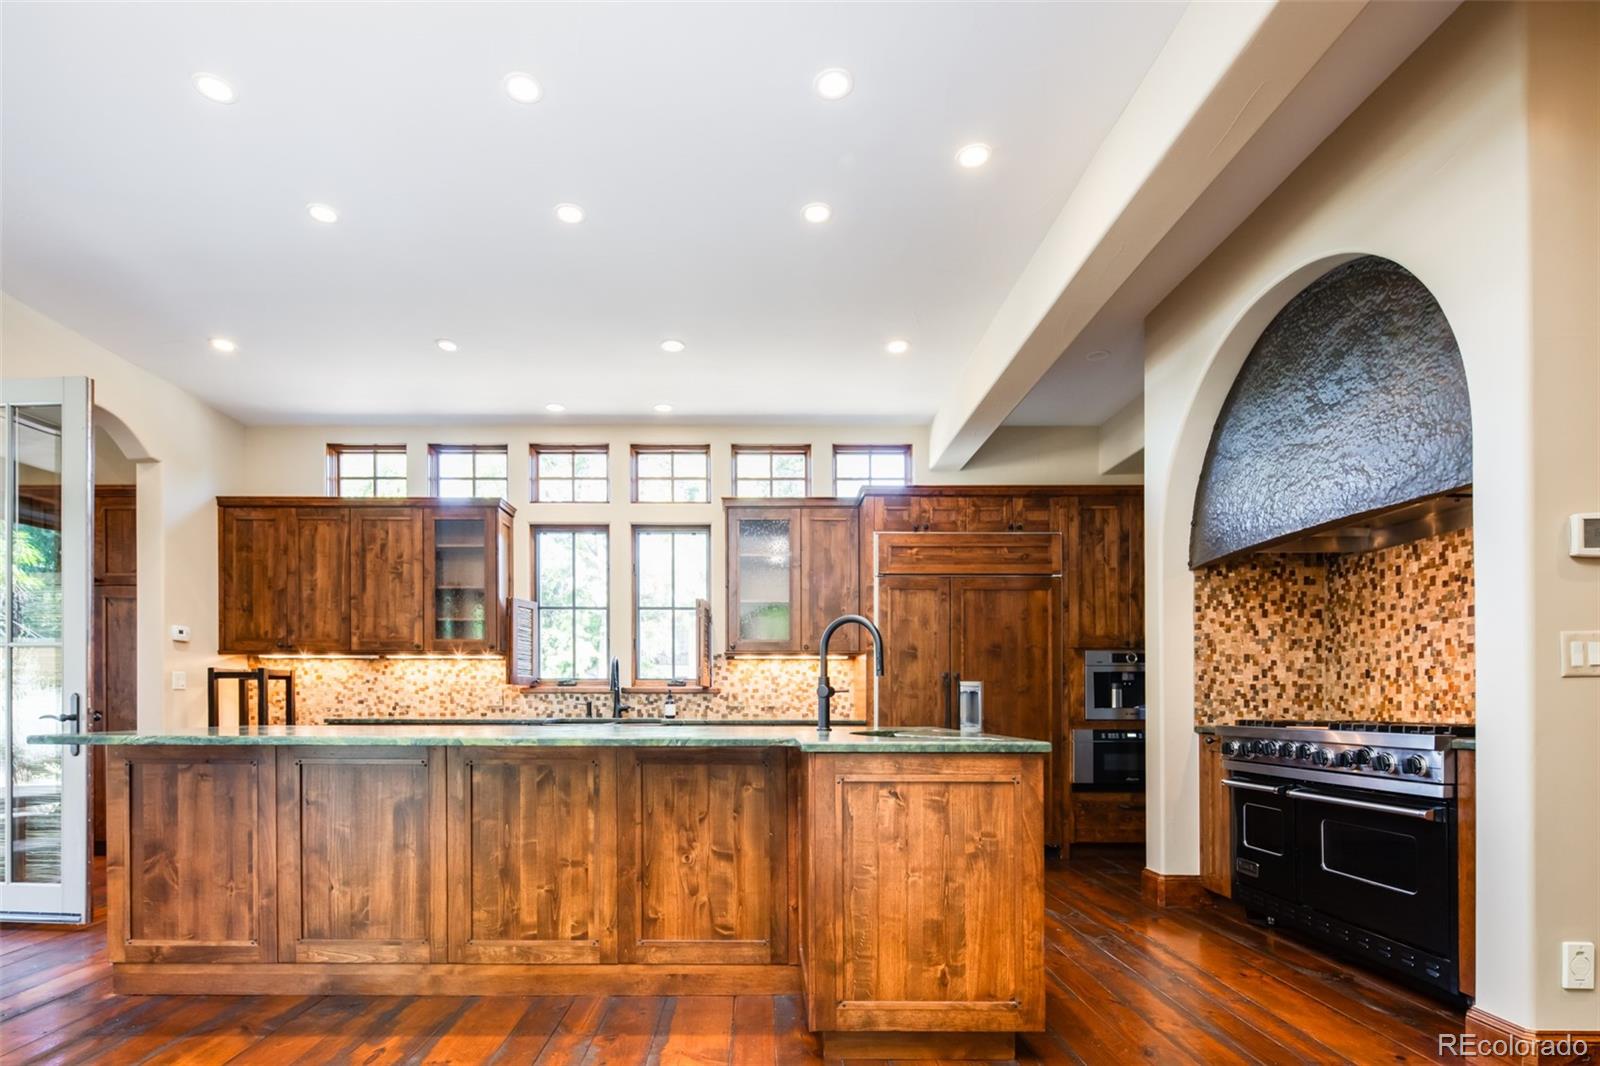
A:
1473,167
185,454
291,461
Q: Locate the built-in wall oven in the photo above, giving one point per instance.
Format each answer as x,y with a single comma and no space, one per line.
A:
1111,759
1349,834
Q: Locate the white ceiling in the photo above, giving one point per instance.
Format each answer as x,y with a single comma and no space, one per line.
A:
149,218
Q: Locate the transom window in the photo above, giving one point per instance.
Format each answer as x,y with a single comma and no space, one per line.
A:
570,473
771,470
473,471
572,581
671,473
671,570
366,470
857,466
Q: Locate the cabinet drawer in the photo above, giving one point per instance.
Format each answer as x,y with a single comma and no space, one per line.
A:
1107,817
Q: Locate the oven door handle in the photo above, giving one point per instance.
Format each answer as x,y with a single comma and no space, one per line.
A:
1425,814
1251,786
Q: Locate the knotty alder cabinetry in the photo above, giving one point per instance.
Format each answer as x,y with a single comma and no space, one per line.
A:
792,569
913,880
366,577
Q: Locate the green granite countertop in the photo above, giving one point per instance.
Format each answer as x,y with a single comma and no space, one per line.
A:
847,738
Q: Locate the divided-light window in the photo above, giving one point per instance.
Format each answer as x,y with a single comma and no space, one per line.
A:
572,580
858,466
671,473
468,471
564,473
366,470
671,570
771,470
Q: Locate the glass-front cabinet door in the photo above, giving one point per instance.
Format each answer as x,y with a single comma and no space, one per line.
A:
463,611
764,579
44,636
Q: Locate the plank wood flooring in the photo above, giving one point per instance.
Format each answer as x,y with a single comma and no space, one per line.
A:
1126,983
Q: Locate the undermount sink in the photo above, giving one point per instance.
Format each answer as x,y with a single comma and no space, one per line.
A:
918,733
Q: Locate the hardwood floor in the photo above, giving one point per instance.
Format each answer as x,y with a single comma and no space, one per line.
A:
1126,983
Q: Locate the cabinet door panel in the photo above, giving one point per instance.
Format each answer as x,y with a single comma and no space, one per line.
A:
388,579
533,853
989,514
1216,820
704,857
830,564
1106,572
361,870
914,616
190,856
941,514
320,604
116,542
1031,514
763,579
253,615
461,545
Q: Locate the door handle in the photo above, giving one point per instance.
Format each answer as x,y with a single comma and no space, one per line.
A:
1424,814
944,683
75,716
951,704
1251,786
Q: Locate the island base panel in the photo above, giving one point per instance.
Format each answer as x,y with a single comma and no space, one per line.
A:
982,1047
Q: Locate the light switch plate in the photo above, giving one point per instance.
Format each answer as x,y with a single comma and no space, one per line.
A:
180,680
1578,653
1577,964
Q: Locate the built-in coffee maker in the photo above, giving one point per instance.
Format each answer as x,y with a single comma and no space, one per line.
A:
1114,686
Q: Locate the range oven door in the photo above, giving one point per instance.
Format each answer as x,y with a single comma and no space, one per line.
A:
1263,835
1382,862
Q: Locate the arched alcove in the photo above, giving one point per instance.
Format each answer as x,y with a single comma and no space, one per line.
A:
1352,401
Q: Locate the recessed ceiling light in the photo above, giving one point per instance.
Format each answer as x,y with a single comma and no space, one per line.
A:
1099,355
322,213
897,347
223,345
555,408
663,408
973,155
571,214
673,346
446,344
816,212
523,89
214,88
833,83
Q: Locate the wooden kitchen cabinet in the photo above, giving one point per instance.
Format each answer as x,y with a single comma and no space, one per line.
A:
1216,820
334,576
792,569
1104,570
1107,817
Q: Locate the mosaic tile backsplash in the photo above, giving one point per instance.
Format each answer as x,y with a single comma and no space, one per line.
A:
743,690
1383,636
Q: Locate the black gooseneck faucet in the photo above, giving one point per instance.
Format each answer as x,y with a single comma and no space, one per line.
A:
825,691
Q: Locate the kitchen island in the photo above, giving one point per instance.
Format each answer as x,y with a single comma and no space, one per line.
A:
893,877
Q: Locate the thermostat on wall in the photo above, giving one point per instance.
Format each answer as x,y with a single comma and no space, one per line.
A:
1585,535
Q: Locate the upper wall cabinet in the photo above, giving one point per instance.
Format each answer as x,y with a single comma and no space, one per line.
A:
1104,570
792,569
340,576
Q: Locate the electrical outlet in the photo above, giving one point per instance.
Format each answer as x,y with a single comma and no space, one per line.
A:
1580,653
180,680
1577,964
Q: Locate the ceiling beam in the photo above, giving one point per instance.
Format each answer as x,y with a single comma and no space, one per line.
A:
1224,71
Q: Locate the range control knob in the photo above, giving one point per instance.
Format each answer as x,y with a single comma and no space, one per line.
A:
1322,757
1361,757
1230,748
1344,758
1383,762
1305,751
1270,748
1415,765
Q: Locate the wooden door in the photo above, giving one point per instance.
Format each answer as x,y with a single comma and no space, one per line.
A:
533,846
989,514
924,900
1030,514
388,579
914,616
895,513
940,513
190,855
361,867
763,580
703,856
1216,820
461,545
113,679
116,552
319,612
253,588
830,567
1105,572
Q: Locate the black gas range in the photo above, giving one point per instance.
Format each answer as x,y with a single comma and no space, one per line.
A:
1347,832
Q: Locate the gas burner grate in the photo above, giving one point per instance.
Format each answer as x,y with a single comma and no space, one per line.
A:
1446,730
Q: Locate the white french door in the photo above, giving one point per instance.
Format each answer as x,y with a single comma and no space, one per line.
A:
45,545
